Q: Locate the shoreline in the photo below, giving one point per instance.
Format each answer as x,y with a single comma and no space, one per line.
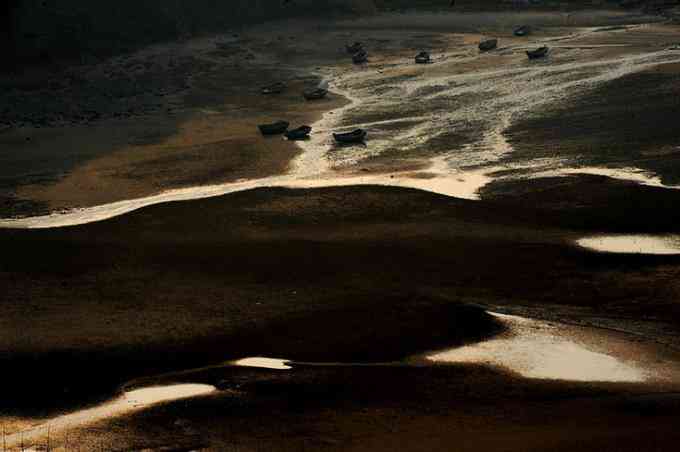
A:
469,198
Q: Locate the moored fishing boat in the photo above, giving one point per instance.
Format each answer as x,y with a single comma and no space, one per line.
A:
355,136
423,58
301,133
275,128
538,53
523,30
488,44
274,88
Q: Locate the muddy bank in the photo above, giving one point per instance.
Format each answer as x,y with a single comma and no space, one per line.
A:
365,273
389,408
625,122
189,283
591,203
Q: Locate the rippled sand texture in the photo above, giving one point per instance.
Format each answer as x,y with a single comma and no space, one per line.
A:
640,244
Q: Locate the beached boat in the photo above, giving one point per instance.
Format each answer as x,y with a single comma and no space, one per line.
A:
355,136
360,57
423,58
488,44
538,53
354,48
301,133
275,128
274,88
524,30
314,94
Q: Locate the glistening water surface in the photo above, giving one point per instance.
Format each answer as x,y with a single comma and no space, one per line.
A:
263,363
537,349
632,243
130,401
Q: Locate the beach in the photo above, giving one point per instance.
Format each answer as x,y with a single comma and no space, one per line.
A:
156,247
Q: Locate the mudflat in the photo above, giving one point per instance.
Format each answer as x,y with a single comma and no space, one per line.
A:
372,272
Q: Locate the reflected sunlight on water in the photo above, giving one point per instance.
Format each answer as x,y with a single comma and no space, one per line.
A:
130,401
638,244
534,349
264,363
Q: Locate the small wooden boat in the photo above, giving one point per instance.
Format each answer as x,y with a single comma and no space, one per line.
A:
423,58
360,57
275,88
354,48
524,30
488,44
275,128
314,94
355,136
538,53
301,133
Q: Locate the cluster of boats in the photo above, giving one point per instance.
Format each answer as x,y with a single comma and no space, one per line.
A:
310,94
360,56
524,30
281,127
302,133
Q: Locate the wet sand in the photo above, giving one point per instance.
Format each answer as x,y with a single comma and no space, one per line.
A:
256,267
204,133
366,273
614,372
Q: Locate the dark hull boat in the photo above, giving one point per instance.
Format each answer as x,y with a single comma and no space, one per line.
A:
487,45
354,48
360,57
301,133
538,53
314,94
356,136
276,128
275,88
524,30
423,58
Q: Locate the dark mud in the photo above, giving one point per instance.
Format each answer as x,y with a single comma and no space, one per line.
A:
628,121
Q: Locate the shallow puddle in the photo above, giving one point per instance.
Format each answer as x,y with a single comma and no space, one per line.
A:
130,401
263,363
536,349
639,244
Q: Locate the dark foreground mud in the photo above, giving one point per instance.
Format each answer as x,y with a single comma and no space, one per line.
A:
347,274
